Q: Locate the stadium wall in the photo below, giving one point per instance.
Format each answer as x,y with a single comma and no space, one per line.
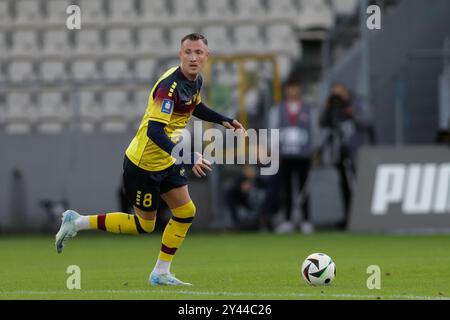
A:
84,169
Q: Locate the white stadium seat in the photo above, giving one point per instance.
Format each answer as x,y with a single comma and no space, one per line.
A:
122,10
154,11
53,70
248,10
90,109
176,35
218,10
92,11
119,40
19,113
145,68
345,7
138,106
141,99
248,39
282,9
5,13
2,72
24,43
28,12
21,70
151,40
56,42
56,11
4,49
85,69
88,41
315,14
218,39
186,10
53,112
281,39
116,69
116,107
284,66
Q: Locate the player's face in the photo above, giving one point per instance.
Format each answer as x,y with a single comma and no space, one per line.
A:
193,56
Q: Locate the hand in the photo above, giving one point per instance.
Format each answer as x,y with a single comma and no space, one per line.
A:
235,125
200,165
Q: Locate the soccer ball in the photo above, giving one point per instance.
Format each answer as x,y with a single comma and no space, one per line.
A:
318,269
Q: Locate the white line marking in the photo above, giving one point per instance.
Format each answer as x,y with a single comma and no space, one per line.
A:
212,293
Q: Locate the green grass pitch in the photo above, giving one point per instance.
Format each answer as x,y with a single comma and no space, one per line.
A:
226,266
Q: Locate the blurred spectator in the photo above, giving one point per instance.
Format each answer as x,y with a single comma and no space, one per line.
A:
348,127
294,119
244,198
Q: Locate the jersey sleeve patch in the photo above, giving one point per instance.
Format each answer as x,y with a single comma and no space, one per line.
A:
167,106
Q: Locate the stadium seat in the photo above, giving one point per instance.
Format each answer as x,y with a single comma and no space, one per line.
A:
281,39
115,109
28,12
154,11
85,69
138,106
56,11
151,40
140,99
186,10
56,42
119,40
93,12
175,38
116,69
122,10
248,39
2,72
315,14
145,68
218,10
345,7
53,112
218,39
4,49
250,10
284,66
19,113
5,13
24,43
21,70
89,41
285,10
53,70
90,107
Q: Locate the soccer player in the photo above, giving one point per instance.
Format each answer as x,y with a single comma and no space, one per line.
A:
150,171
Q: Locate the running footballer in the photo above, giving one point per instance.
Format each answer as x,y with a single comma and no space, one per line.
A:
150,172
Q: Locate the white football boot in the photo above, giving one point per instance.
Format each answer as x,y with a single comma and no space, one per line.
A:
67,230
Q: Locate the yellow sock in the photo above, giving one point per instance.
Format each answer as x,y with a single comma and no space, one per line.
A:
118,222
176,230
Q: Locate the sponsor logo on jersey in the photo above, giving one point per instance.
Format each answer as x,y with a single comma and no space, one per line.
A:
167,106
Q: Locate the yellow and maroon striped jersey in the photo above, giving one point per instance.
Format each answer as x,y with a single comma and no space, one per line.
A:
172,100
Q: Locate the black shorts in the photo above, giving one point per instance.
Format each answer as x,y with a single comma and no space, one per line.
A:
143,188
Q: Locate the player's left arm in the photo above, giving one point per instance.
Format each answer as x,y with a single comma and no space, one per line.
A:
202,112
